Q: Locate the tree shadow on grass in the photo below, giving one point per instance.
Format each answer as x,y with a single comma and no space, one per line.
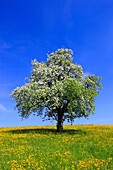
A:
47,131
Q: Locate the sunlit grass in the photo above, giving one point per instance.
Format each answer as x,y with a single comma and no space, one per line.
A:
81,147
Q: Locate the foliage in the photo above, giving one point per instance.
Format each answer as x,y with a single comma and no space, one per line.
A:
88,147
58,89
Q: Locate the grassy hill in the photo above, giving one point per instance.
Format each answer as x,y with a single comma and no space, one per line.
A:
81,147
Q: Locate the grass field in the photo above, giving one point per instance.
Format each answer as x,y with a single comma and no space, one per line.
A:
81,147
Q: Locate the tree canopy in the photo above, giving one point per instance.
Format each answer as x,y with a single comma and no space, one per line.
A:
58,89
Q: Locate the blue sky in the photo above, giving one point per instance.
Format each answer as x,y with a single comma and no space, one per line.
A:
29,29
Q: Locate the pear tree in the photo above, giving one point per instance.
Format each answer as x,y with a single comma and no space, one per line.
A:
58,89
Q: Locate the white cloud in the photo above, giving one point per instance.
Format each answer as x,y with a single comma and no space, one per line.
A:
5,45
86,74
3,108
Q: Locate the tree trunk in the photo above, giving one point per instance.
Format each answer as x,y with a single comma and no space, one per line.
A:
59,127
60,121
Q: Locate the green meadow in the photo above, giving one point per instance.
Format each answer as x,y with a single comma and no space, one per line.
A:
80,147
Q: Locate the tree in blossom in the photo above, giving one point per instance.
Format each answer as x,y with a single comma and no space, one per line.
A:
58,89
